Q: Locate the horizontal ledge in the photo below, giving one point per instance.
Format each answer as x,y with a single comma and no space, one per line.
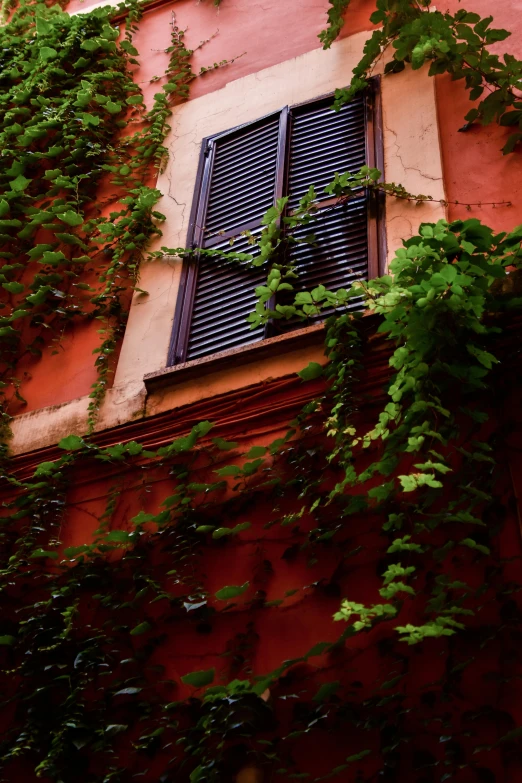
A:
246,354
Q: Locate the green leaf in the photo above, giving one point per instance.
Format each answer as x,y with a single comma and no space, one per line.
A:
90,120
37,251
358,756
47,53
484,357
327,690
115,728
70,239
511,735
71,443
53,258
229,470
72,551
256,451
20,183
249,468
113,107
240,527
409,483
43,553
318,649
314,370
13,288
383,491
199,679
224,445
469,542
45,469
202,428
121,536
143,517
8,331
128,47
220,532
141,628
43,27
204,528
231,591
71,218
7,640
40,296
89,45
391,683
197,773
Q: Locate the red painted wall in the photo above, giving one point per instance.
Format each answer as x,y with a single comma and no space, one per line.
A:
250,638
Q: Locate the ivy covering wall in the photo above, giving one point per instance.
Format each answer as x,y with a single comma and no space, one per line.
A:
382,486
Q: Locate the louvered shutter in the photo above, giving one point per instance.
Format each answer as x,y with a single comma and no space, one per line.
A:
240,182
241,174
323,143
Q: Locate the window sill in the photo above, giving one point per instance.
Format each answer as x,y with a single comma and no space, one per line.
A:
246,354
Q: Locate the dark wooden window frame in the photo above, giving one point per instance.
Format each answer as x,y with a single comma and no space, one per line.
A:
376,233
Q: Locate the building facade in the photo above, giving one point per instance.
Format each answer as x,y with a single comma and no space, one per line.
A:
244,593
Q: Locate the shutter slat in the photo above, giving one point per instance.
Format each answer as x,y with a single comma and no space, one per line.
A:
233,322
324,143
223,283
350,125
229,158
305,126
303,134
217,346
245,211
336,146
259,160
243,177
310,114
246,136
231,213
224,298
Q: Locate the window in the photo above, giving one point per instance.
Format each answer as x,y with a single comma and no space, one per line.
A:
241,173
